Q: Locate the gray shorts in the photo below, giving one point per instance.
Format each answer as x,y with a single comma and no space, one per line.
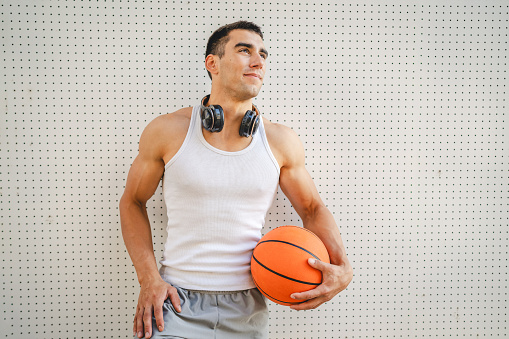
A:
220,315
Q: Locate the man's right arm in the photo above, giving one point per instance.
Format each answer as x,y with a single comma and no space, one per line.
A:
142,181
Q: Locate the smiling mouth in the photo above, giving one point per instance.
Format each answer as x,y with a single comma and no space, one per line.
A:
253,75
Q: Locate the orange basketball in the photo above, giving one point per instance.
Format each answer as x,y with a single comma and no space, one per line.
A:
279,264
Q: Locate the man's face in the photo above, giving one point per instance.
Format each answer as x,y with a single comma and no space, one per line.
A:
242,68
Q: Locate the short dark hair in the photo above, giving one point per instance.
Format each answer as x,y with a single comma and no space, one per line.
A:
219,38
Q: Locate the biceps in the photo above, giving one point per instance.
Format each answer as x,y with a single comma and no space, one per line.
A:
143,179
299,188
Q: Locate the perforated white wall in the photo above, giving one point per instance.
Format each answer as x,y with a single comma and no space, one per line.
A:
400,104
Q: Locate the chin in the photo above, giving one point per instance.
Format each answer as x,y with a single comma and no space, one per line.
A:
247,93
255,90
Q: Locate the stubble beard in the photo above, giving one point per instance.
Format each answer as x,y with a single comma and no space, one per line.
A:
246,92
241,90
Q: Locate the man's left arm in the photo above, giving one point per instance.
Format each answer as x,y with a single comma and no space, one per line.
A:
297,184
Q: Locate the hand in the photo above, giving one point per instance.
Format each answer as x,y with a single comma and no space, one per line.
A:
151,299
335,279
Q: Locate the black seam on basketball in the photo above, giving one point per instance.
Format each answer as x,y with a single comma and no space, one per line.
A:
289,243
281,301
302,228
284,276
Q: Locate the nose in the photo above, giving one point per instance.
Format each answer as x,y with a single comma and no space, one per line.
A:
257,61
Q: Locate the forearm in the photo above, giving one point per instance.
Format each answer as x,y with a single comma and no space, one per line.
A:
322,223
137,236
335,276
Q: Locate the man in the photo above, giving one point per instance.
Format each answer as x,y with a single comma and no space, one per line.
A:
218,186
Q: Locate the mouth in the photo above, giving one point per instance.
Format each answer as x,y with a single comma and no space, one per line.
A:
253,75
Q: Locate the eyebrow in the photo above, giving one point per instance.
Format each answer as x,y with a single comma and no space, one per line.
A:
250,46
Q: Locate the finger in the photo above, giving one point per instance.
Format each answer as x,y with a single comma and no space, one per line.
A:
174,298
147,321
158,314
308,305
139,323
319,290
317,264
311,294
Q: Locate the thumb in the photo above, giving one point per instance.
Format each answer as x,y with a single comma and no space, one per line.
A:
315,263
174,298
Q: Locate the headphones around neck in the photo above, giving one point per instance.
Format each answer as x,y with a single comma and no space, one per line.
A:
212,118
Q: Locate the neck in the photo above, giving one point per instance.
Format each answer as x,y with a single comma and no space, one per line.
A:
231,106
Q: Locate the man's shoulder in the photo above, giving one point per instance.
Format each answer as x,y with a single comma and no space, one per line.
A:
166,133
284,141
170,124
279,134
173,120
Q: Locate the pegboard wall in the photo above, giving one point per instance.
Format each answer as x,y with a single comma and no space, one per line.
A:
401,106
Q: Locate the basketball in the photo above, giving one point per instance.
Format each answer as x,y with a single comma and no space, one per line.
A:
279,264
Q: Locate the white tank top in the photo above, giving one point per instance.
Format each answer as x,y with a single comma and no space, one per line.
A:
216,203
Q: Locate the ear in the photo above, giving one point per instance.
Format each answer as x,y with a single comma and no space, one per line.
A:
211,63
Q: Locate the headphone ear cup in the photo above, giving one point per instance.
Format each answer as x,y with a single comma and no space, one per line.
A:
256,124
207,118
249,124
212,118
218,118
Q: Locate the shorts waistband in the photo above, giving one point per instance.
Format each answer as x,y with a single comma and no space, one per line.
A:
215,292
